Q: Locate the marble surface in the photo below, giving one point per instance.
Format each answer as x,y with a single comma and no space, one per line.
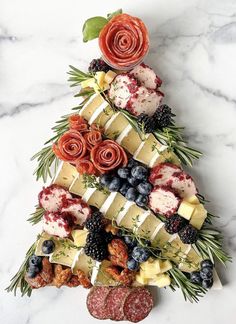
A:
193,49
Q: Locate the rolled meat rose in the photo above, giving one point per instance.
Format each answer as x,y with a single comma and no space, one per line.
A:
108,155
92,138
70,147
124,41
85,166
78,123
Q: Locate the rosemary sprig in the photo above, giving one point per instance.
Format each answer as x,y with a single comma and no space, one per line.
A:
91,181
209,245
18,281
191,291
36,216
77,76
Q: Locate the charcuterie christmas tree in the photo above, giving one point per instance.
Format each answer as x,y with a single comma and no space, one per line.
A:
121,214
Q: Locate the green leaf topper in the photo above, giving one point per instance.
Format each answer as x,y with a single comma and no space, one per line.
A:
94,25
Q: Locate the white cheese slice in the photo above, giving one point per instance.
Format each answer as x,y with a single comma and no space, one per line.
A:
129,139
65,175
95,272
102,114
97,198
123,134
147,228
83,262
141,220
107,203
161,237
77,187
64,253
115,126
157,229
156,157
91,105
124,211
147,150
88,193
113,205
99,275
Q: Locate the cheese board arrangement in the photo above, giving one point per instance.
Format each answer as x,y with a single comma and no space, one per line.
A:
120,214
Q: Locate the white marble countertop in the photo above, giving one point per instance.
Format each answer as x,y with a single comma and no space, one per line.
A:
193,49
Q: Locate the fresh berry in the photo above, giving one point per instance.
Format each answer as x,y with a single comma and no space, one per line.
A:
124,188
163,117
175,223
48,246
32,272
108,237
133,182
97,214
207,264
140,254
132,163
94,224
132,264
207,283
188,234
139,172
206,273
131,194
95,251
195,277
115,184
141,200
144,188
146,123
123,173
94,237
105,179
35,261
130,241
98,65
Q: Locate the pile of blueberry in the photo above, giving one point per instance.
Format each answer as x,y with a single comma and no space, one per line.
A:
131,182
204,277
137,253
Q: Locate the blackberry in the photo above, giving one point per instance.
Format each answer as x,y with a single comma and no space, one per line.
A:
96,251
162,117
95,223
146,123
97,65
188,234
94,237
174,224
108,237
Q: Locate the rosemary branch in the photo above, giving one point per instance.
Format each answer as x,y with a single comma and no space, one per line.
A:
36,216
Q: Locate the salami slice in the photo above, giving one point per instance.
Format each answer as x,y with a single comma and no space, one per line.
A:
96,302
92,138
85,166
138,304
115,302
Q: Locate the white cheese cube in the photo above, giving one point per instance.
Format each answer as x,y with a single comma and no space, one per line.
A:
186,209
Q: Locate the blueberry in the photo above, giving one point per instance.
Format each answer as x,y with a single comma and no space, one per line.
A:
130,241
207,283
206,273
105,180
144,188
48,246
195,277
32,272
124,188
35,261
123,173
139,172
133,182
132,163
131,194
140,254
115,184
207,263
132,264
141,201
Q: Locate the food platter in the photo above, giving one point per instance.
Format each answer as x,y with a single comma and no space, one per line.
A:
121,213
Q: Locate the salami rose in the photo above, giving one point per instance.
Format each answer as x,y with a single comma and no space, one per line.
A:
70,147
124,41
108,155
85,166
92,138
78,123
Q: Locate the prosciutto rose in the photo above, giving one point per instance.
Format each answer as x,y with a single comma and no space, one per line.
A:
92,138
78,123
124,41
71,146
107,156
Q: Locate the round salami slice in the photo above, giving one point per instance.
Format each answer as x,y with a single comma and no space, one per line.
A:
138,304
96,302
115,302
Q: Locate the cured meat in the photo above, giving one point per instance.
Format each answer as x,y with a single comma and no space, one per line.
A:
92,138
115,302
146,76
164,201
51,198
47,271
70,147
59,224
78,123
78,208
138,305
96,302
108,155
183,184
85,166
124,41
161,174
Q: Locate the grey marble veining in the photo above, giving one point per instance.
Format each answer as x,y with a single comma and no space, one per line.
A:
193,49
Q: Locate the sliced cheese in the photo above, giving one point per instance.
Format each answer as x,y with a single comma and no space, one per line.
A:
115,126
161,238
198,217
166,156
129,139
95,197
157,158
193,200
129,216
64,253
113,205
84,263
99,275
175,249
141,220
66,175
148,149
147,228
91,105
101,115
79,237
191,262
77,187
88,194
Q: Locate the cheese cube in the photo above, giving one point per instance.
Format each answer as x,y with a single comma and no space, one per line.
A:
113,205
186,209
193,200
148,227
150,268
115,126
91,105
79,237
199,216
165,266
142,280
110,75
100,77
77,187
129,139
161,280
66,175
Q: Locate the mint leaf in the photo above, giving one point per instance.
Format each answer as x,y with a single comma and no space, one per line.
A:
113,14
92,27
